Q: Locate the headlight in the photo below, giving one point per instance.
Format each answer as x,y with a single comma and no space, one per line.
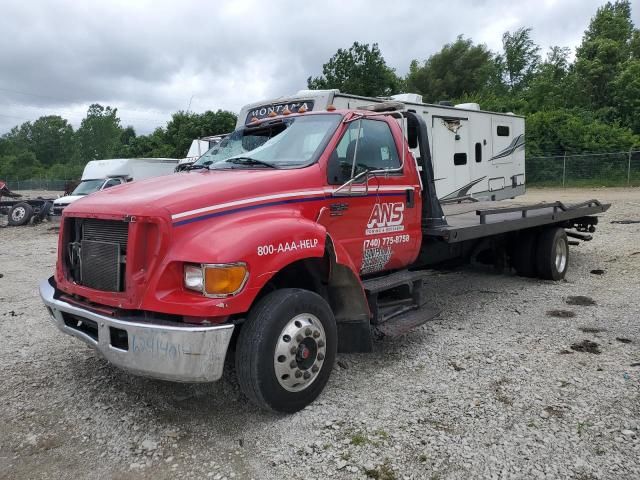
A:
216,280
193,278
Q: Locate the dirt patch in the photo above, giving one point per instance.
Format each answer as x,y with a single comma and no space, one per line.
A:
581,300
623,340
456,367
561,313
625,222
592,330
597,271
554,411
586,346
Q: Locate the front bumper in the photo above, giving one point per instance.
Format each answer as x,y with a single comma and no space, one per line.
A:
164,350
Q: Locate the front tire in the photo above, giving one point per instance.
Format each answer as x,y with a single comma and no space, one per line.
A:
286,350
553,254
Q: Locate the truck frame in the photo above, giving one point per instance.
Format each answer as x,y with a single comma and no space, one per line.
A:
317,241
21,211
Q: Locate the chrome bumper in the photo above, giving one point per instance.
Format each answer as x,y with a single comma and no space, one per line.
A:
161,350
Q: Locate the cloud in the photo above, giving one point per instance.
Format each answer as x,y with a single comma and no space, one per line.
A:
151,58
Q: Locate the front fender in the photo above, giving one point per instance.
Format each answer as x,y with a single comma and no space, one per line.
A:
266,242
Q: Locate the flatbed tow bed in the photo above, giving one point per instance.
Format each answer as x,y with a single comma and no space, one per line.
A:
468,221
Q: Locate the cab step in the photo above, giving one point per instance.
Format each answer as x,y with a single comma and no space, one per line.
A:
402,324
395,294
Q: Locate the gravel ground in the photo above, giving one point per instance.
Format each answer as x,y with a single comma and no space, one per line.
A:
491,389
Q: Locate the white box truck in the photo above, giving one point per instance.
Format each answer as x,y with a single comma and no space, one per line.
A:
477,155
101,174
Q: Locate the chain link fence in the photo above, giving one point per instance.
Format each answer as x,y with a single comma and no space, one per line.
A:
37,184
618,169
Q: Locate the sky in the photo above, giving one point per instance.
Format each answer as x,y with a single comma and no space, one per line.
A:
152,58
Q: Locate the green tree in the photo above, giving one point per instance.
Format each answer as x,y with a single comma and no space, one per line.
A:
559,131
360,70
548,84
51,139
627,95
459,68
99,134
521,57
606,46
184,127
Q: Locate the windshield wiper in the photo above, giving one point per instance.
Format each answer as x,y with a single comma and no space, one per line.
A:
197,166
249,161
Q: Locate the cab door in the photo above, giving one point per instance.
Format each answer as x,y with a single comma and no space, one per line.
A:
376,218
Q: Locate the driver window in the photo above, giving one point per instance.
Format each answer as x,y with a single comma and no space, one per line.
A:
111,183
376,150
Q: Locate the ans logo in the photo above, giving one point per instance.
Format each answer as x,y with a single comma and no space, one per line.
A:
385,218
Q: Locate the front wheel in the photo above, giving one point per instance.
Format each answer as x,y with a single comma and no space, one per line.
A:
286,350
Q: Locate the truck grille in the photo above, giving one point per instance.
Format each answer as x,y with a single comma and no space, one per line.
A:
97,253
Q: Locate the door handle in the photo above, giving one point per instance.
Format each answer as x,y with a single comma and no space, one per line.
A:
336,209
411,197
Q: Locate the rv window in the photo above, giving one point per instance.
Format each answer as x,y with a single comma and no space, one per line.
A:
478,152
459,158
376,150
503,131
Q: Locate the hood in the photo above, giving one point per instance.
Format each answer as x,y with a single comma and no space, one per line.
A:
67,200
180,192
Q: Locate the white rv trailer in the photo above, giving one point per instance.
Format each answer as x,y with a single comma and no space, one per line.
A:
476,154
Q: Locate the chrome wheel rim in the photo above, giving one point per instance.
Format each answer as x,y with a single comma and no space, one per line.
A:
300,352
561,255
18,214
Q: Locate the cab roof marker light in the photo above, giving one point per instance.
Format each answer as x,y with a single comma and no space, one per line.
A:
272,113
286,111
302,109
331,107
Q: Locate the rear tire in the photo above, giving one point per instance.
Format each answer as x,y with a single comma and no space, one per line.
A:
552,254
20,214
523,256
286,350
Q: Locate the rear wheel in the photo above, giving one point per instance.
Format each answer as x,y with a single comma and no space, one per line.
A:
286,350
552,254
523,255
20,214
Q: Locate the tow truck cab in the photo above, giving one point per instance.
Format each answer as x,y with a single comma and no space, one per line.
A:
289,241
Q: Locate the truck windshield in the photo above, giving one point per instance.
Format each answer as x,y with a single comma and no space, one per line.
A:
88,186
281,143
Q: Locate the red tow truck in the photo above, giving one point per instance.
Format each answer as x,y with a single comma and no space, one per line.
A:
298,236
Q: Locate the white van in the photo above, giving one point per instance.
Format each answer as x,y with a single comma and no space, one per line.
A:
101,174
477,155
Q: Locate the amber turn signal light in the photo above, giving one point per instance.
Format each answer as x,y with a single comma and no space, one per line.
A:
224,280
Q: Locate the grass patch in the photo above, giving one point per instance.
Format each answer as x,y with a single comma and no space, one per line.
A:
381,472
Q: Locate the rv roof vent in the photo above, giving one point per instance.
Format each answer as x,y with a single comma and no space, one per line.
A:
445,103
306,93
386,106
408,97
468,106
